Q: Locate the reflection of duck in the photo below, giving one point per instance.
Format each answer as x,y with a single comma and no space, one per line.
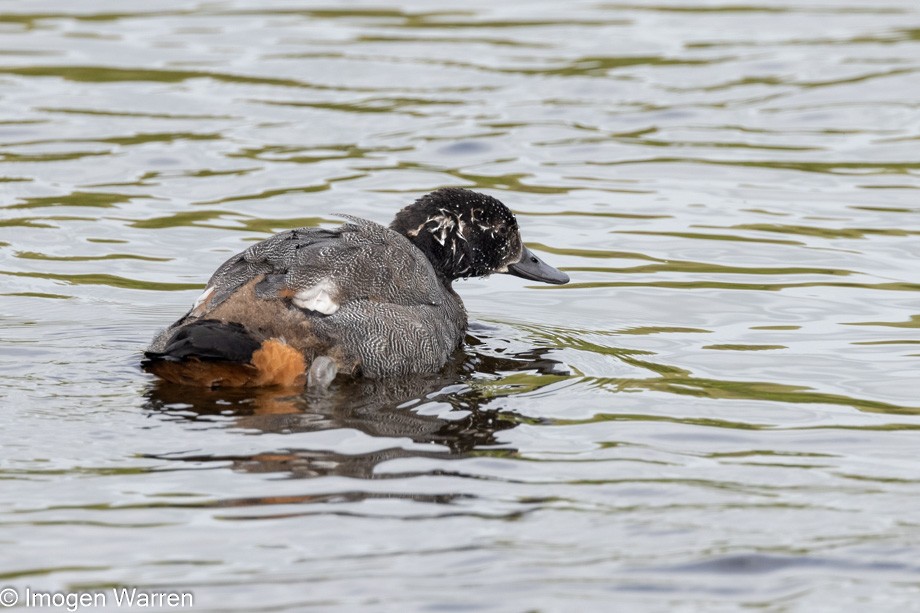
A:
361,299
379,408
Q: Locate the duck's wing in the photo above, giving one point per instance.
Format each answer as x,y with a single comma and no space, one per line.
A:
319,270
356,298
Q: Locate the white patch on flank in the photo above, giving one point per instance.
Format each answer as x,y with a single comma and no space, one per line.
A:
317,298
200,300
204,296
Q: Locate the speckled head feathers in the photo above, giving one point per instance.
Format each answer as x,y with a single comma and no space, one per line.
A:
463,233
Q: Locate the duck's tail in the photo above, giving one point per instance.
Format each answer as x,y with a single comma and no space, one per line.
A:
211,353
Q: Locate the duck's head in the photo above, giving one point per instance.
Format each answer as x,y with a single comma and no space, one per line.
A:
468,234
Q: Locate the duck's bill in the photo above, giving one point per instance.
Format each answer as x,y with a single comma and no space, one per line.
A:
533,268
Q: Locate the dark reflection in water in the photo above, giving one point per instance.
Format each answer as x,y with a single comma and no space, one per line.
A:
378,408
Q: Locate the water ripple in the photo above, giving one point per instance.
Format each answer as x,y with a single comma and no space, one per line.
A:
731,187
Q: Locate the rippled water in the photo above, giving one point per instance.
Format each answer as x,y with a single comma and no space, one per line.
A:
719,412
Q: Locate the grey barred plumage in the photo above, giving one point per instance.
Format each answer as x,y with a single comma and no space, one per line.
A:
376,301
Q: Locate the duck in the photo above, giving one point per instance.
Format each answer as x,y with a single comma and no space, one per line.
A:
359,300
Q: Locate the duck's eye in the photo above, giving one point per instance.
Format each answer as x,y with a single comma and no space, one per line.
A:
502,230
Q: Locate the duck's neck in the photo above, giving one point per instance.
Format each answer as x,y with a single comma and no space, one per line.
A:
441,239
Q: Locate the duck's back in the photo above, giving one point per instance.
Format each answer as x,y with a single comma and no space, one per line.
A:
361,295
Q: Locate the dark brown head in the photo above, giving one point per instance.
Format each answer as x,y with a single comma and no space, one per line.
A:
468,234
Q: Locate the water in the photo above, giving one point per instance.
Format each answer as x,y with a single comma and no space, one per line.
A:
719,412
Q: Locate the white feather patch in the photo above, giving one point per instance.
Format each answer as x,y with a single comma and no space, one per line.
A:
317,298
202,299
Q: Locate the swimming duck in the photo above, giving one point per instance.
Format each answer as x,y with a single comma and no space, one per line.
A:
362,299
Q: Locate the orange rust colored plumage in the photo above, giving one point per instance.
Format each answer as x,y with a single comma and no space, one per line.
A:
279,364
274,363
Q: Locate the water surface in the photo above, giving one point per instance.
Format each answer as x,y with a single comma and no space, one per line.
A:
719,412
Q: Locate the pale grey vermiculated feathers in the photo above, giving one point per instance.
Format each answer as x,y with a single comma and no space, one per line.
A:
362,258
395,315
